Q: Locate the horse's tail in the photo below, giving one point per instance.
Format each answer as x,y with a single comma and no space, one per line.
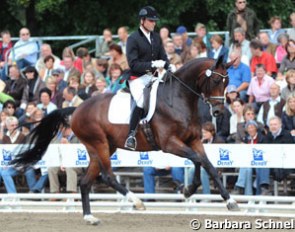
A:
40,137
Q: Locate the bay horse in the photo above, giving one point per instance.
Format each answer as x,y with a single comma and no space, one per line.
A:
175,126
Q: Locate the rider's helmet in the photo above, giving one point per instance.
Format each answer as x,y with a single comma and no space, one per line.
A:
148,12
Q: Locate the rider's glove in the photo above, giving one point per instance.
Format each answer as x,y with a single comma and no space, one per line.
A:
158,63
172,68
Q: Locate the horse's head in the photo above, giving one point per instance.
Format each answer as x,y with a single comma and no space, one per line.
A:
212,82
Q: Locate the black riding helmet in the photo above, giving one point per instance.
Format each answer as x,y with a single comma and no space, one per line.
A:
148,12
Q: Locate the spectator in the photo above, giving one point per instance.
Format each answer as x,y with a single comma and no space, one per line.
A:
288,61
290,88
3,115
56,94
281,51
100,85
239,75
10,107
107,41
273,107
45,104
244,17
114,79
5,45
170,51
178,44
183,32
25,50
149,174
235,119
123,36
82,57
71,97
261,57
88,85
202,35
117,57
276,29
46,51
59,75
231,95
70,69
47,70
28,116
68,137
288,117
74,81
267,45
218,48
101,67
195,51
165,34
258,90
32,90
291,31
244,44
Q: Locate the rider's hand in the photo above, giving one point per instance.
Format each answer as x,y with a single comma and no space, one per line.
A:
172,68
158,63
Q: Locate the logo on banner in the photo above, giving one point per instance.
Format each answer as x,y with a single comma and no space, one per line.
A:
115,160
224,158
258,159
6,156
82,158
144,159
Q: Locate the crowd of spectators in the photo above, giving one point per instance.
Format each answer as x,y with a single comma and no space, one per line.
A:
261,82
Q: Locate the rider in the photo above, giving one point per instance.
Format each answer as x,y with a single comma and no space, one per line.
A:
145,54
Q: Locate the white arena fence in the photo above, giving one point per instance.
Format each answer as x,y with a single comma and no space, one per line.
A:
221,155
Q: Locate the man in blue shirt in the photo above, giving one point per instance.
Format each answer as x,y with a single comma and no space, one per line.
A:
239,74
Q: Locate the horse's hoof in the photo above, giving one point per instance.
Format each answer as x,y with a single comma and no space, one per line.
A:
91,220
139,206
232,205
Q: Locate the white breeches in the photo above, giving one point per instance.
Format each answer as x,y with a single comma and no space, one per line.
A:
136,88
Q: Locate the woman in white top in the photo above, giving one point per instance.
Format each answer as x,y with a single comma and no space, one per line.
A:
46,105
237,116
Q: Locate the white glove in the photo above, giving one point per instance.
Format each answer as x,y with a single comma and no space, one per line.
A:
158,63
172,67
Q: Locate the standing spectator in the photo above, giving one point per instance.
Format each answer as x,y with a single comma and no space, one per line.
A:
202,35
25,50
5,45
45,104
165,34
183,32
107,41
258,90
244,17
290,88
123,36
276,29
239,75
118,57
46,51
261,57
288,61
273,107
218,48
288,117
267,45
88,85
291,31
71,97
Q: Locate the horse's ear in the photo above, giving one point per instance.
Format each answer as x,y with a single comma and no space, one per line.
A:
227,65
219,61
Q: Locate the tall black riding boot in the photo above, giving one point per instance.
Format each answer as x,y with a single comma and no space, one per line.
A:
134,120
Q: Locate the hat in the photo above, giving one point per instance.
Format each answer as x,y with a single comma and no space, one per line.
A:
181,30
57,71
30,69
148,12
231,88
251,122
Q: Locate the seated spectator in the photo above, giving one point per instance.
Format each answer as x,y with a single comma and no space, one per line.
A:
88,85
195,51
231,95
288,61
75,82
276,29
69,68
170,51
118,57
239,75
165,34
114,79
56,94
290,88
25,50
101,85
10,107
71,97
49,67
179,46
288,116
218,48
202,35
273,107
149,174
68,137
28,116
183,32
259,87
281,51
261,57
267,46
3,115
45,52
291,31
59,75
101,67
208,136
5,45
45,104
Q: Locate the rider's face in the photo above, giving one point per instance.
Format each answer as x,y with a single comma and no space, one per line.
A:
149,24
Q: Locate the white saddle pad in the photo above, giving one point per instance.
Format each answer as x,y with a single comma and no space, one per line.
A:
120,106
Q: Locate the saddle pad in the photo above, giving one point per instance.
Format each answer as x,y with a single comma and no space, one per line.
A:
120,106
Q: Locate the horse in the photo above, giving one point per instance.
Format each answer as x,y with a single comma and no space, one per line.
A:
175,126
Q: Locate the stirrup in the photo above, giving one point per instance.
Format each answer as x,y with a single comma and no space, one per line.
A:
131,143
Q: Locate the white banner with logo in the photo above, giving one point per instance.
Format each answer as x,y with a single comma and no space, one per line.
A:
221,155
